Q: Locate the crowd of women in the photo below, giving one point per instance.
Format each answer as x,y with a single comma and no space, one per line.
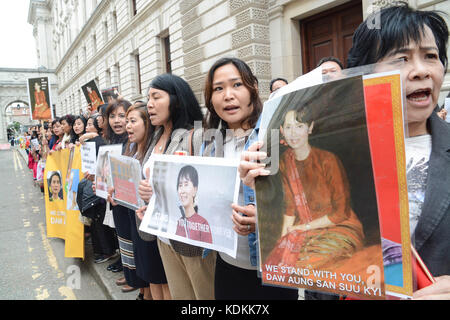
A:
166,269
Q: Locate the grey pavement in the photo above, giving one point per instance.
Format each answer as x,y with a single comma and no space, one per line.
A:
96,278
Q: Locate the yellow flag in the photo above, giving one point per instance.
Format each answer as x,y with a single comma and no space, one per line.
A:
62,175
55,209
74,247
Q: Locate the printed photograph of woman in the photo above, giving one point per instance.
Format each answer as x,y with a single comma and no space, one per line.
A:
191,225
319,224
55,191
39,99
318,211
92,95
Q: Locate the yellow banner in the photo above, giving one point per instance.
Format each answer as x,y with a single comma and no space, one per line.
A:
62,175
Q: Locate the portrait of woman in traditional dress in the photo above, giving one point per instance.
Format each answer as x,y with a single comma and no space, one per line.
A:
319,225
41,108
191,225
94,98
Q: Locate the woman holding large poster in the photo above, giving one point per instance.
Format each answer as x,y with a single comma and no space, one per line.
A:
319,225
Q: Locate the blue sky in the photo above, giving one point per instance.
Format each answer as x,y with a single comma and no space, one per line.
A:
18,44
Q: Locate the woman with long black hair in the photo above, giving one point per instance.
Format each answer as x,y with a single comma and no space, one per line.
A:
173,109
116,134
234,106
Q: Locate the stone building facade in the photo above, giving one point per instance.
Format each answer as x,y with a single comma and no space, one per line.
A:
129,42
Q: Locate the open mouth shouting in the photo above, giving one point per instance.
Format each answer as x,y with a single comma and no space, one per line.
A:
420,98
231,109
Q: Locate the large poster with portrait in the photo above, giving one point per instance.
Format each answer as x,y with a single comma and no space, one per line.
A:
61,176
317,211
39,97
92,94
55,206
192,199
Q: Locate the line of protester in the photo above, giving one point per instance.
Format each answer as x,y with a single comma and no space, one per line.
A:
164,269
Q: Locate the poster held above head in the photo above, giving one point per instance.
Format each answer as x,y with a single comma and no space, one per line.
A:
92,94
110,94
186,204
39,97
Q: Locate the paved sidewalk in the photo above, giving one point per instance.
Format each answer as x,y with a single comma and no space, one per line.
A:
105,279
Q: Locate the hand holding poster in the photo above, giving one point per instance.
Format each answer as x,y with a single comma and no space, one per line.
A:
126,175
102,172
186,204
88,158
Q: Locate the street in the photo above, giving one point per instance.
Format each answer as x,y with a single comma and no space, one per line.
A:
33,266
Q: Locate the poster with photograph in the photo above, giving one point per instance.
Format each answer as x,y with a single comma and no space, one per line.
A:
55,186
384,109
39,97
447,108
102,172
88,157
92,94
34,144
126,173
187,205
110,94
317,211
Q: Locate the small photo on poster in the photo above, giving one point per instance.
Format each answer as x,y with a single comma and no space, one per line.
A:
103,178
55,187
92,94
187,206
126,173
73,181
39,97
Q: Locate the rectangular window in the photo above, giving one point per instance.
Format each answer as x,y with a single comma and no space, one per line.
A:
133,8
84,55
137,64
94,44
105,31
108,78
114,22
165,42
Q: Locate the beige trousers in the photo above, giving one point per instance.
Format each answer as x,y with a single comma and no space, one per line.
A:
189,278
